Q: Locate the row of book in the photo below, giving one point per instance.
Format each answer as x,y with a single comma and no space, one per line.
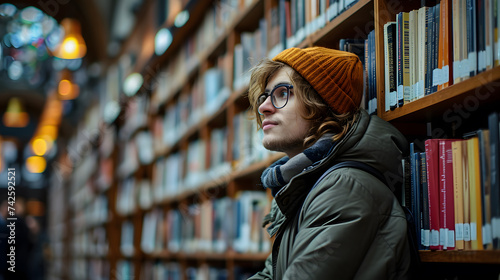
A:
133,194
94,268
290,22
455,190
247,142
431,48
300,18
185,63
190,168
90,243
93,214
214,225
252,48
207,95
365,50
136,115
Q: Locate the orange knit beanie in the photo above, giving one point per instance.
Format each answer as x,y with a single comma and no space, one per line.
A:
337,76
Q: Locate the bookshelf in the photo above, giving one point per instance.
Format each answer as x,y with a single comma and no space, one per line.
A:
148,168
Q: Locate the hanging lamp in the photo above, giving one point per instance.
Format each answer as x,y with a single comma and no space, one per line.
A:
67,89
15,116
72,45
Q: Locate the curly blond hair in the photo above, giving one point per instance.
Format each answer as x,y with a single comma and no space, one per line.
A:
312,107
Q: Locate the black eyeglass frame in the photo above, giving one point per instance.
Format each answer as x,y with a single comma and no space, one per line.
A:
288,87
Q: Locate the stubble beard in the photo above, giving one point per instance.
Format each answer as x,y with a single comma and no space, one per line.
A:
283,145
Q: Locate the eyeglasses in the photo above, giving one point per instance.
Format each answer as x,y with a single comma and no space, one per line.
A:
279,96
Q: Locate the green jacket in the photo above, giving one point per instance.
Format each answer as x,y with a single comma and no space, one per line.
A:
350,226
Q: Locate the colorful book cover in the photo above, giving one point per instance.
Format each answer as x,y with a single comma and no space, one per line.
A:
458,201
432,160
446,187
475,194
493,126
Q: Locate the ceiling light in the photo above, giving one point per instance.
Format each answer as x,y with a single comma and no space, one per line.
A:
15,116
36,164
72,46
163,39
7,10
132,84
39,146
181,19
67,89
111,111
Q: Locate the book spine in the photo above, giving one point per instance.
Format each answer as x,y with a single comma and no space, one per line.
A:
493,126
406,57
485,187
458,194
447,195
399,44
392,65
415,192
466,196
432,159
387,73
457,43
435,46
424,202
429,27
475,194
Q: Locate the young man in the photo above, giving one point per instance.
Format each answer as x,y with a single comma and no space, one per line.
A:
350,225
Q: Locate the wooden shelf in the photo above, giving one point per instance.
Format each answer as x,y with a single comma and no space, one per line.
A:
469,95
207,256
487,256
352,23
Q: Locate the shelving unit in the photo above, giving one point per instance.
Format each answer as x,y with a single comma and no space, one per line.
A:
177,75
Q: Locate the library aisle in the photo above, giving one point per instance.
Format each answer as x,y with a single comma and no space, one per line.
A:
128,150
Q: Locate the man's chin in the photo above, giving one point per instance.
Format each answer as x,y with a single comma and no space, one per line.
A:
272,145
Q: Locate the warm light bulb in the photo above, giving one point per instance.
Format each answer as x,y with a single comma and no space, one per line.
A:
36,164
15,116
49,131
70,46
64,87
39,146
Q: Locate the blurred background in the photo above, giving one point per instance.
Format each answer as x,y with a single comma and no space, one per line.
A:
52,55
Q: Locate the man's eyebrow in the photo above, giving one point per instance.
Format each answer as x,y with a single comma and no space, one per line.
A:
278,83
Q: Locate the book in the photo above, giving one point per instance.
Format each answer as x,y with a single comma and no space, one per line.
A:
471,28
429,49
466,196
443,74
496,37
490,38
422,43
432,161
481,36
475,193
403,54
390,65
493,126
446,198
458,201
415,192
424,203
434,48
413,31
373,73
485,187
457,39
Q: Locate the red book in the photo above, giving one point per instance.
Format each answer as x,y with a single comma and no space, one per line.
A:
432,160
446,195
